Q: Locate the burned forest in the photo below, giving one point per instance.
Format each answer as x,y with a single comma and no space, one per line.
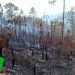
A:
36,40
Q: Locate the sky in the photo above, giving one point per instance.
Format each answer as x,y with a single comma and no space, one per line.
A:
41,6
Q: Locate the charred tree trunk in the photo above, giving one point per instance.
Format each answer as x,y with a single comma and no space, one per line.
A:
0,51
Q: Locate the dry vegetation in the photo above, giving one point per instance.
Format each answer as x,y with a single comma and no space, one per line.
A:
4,40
